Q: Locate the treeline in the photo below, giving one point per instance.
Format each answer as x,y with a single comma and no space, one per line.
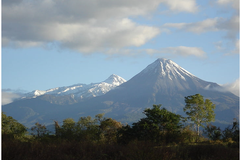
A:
163,131
159,126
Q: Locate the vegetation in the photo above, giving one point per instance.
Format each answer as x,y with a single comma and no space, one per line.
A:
11,128
158,126
142,150
229,134
39,130
198,110
159,135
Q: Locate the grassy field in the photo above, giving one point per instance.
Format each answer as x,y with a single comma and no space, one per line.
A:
135,150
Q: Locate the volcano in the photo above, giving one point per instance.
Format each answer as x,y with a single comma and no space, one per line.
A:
162,82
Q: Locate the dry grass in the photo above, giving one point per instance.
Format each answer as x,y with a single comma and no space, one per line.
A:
72,150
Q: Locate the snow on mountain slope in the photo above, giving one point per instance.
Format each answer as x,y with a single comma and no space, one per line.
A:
115,80
166,77
169,69
81,90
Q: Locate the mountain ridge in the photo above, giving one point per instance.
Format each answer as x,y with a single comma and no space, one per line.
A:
80,90
161,82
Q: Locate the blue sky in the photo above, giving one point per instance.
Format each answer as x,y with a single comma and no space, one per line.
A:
52,43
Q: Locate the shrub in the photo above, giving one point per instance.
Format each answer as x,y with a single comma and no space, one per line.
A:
213,132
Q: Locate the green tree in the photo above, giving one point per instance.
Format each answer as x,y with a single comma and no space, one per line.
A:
162,118
108,130
39,129
158,125
68,129
87,128
198,110
12,128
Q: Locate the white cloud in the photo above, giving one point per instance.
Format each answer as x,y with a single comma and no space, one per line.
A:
180,50
230,87
196,27
182,5
118,34
84,26
8,97
229,26
163,52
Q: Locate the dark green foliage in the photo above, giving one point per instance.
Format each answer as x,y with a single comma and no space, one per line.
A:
229,133
68,129
159,125
162,118
11,128
213,132
95,138
232,133
89,129
85,129
125,135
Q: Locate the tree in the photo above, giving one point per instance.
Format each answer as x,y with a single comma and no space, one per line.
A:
57,128
213,132
158,125
108,130
87,128
232,133
162,118
68,128
12,128
40,129
198,110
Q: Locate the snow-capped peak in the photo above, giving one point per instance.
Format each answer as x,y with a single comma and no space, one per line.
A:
115,80
81,90
168,68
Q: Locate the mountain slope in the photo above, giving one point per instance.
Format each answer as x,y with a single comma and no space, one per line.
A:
167,77
161,78
162,82
74,93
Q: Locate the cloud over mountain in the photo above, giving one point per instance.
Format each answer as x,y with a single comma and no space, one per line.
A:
231,87
8,97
